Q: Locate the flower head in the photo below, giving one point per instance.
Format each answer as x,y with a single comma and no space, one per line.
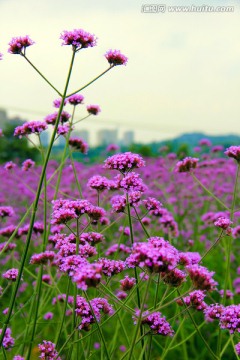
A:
186,164
115,57
19,44
93,109
75,99
78,38
233,152
124,162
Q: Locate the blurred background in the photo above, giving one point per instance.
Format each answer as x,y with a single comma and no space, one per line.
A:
181,82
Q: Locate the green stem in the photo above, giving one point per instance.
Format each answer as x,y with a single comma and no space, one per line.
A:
35,207
208,191
197,329
96,78
39,72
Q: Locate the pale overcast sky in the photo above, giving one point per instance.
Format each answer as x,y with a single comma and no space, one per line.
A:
183,73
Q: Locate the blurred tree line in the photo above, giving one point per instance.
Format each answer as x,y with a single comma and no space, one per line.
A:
15,149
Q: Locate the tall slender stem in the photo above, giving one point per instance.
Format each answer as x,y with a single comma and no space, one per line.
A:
35,207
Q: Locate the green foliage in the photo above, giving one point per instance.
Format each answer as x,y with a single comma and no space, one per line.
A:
12,148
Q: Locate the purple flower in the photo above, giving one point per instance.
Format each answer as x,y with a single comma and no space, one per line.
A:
11,274
213,312
8,340
88,275
31,127
75,99
230,319
1,56
201,277
48,351
57,102
27,164
223,223
52,118
78,38
19,44
48,316
115,57
158,324
233,152
133,182
186,164
9,165
78,144
205,142
6,211
124,162
98,183
93,109
237,348
111,267
195,299
127,283
42,258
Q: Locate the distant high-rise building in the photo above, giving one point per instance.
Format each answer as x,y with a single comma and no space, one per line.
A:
107,136
128,138
83,134
5,120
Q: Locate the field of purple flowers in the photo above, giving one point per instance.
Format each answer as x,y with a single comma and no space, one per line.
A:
130,258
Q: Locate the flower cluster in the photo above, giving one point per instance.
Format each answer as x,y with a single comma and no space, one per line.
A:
201,277
124,162
48,351
233,152
31,127
158,324
78,38
115,57
6,211
78,144
19,44
186,164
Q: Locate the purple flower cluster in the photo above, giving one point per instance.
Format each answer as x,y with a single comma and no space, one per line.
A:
186,164
8,340
75,99
93,109
195,299
157,255
98,183
124,162
230,318
19,44
11,274
48,351
233,152
158,324
52,118
201,277
78,144
78,38
27,164
6,211
115,57
91,311
31,127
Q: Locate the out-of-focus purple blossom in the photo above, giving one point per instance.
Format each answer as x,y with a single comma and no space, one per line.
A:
93,109
6,211
229,294
205,142
48,316
75,99
1,57
119,203
57,102
27,164
115,57
48,351
78,144
118,248
237,348
127,283
174,277
11,274
8,340
186,164
31,127
52,118
112,147
223,223
9,165
42,258
202,277
18,45
233,152
195,299
78,38
217,148
63,129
